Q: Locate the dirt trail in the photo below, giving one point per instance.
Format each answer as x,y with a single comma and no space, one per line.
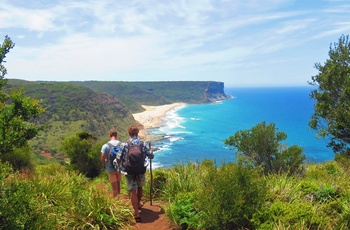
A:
152,218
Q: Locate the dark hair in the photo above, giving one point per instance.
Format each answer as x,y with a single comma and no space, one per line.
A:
113,133
133,130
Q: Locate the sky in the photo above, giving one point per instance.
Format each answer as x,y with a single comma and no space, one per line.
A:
238,42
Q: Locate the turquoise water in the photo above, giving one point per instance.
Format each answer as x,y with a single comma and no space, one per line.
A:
196,132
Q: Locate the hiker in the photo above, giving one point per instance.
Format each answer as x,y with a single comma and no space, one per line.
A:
113,171
135,172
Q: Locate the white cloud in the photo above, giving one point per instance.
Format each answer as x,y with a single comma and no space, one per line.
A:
150,39
36,20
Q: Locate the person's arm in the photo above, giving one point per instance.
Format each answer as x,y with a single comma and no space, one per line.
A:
103,155
103,159
148,151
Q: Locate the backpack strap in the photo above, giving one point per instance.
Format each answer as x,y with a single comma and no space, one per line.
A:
110,149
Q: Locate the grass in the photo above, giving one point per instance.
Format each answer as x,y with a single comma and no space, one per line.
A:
56,198
198,196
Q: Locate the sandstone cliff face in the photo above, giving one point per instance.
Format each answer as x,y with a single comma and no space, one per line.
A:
215,92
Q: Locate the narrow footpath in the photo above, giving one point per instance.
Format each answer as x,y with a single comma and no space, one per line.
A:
152,218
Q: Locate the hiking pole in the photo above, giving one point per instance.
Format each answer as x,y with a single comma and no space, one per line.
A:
150,169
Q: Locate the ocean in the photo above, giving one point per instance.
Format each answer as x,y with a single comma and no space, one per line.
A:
196,131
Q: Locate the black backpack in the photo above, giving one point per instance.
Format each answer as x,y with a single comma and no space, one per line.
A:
135,159
112,155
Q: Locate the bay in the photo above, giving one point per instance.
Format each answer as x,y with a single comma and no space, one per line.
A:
196,132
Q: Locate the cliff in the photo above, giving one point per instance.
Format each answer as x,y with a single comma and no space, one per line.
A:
215,92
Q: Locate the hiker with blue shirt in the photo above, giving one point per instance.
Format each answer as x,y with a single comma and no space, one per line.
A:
112,169
132,163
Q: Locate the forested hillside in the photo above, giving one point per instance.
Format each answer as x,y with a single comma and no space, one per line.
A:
70,109
134,94
95,107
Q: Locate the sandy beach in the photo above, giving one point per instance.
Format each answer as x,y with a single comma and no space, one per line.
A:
153,116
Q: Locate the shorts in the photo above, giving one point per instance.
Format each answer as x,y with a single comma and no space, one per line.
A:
115,176
133,182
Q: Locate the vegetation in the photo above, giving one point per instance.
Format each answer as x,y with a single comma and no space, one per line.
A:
15,113
72,109
84,154
199,196
57,198
266,189
236,197
331,117
135,94
96,107
260,147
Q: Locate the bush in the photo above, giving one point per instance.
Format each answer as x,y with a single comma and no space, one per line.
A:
328,193
260,146
18,206
182,211
229,197
292,215
159,182
84,154
20,158
55,198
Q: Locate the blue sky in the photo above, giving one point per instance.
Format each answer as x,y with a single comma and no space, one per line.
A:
238,42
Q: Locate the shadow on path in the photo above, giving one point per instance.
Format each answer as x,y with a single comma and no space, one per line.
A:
153,218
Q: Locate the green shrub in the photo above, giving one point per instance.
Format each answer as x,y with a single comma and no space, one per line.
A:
84,153
295,215
328,193
20,158
182,211
260,146
18,209
159,182
229,197
56,198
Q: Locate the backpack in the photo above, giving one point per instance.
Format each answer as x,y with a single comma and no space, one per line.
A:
135,159
112,155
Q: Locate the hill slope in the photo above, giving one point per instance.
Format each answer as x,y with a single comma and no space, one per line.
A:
134,94
71,108
97,106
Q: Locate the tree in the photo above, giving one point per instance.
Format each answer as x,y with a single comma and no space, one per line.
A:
331,116
4,49
16,112
84,153
260,146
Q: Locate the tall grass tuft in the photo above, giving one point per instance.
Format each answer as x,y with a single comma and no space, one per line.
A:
182,178
56,198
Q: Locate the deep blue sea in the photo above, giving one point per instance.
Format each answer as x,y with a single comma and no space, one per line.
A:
196,132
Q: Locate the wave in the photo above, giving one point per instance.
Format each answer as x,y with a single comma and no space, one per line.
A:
174,139
155,165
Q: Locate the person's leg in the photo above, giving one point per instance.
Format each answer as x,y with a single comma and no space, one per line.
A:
134,202
139,196
113,178
119,179
140,183
132,187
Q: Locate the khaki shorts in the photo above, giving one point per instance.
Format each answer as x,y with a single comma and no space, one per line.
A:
115,176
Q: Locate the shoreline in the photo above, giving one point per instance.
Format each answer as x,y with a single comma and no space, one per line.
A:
153,117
